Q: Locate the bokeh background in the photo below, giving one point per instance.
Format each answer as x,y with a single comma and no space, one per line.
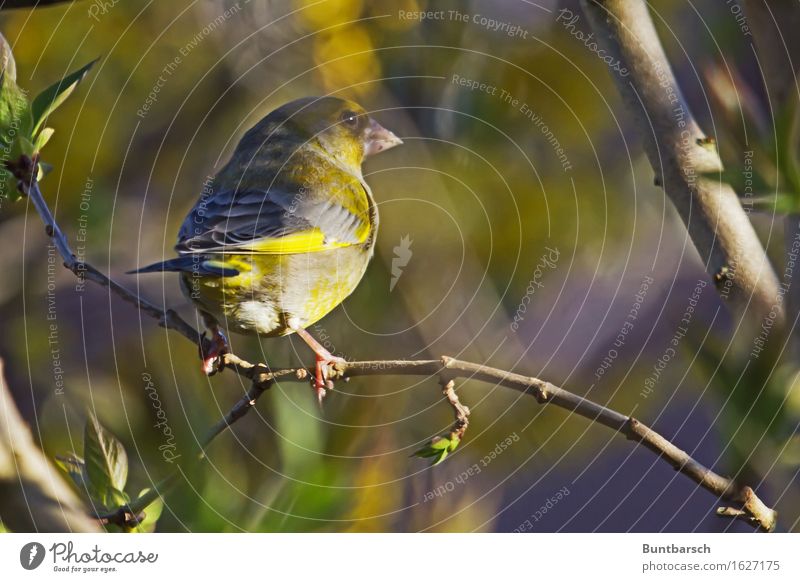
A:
502,224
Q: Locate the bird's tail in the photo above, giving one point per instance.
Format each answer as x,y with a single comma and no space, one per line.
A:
184,264
196,264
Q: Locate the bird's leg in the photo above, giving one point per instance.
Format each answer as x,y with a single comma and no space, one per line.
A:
324,358
212,349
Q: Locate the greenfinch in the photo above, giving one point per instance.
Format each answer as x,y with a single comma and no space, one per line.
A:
284,232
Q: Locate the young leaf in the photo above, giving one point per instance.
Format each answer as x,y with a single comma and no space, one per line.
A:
438,449
22,146
439,443
787,132
75,467
442,456
15,123
425,452
15,113
777,202
51,98
151,514
454,441
106,462
42,139
116,498
44,169
8,185
7,64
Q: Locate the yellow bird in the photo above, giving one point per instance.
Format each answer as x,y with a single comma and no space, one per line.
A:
285,230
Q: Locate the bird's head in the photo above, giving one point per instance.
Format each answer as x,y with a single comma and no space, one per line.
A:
343,128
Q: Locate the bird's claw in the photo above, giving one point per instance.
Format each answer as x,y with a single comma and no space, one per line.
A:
211,352
321,380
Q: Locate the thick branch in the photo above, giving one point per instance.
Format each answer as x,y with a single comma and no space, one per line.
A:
9,4
33,496
446,368
685,160
774,27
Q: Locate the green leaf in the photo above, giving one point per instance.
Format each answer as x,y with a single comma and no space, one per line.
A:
438,449
51,98
787,135
106,463
453,444
7,64
425,451
151,514
43,137
15,123
22,146
8,185
75,467
442,456
44,169
439,443
116,498
778,202
15,114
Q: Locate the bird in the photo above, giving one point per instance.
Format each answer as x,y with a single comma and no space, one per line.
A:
284,232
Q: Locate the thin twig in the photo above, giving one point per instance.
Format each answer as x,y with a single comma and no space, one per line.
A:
742,498
167,318
460,411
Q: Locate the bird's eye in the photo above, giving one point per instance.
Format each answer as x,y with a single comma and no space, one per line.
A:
349,118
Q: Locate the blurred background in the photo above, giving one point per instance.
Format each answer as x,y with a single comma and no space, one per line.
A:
521,217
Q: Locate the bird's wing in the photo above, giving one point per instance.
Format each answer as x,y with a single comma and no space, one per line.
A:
276,221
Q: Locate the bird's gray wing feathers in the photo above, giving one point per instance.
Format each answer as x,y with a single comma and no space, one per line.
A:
265,221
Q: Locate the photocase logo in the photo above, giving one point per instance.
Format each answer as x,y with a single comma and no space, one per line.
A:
31,555
402,254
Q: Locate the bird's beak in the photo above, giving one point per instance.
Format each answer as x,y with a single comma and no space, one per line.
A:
379,139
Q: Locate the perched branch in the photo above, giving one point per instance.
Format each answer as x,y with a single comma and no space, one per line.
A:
33,496
684,160
447,369
744,500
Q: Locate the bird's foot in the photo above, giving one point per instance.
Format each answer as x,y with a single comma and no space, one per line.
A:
211,351
322,382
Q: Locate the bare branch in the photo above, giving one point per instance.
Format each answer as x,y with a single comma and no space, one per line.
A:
684,159
84,271
742,497
446,369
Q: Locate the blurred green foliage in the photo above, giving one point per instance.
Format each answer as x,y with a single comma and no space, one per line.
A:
478,188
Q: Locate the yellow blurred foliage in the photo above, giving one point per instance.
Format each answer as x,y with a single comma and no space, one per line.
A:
346,59
315,14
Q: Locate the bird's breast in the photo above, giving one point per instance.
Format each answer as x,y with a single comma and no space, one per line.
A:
276,289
